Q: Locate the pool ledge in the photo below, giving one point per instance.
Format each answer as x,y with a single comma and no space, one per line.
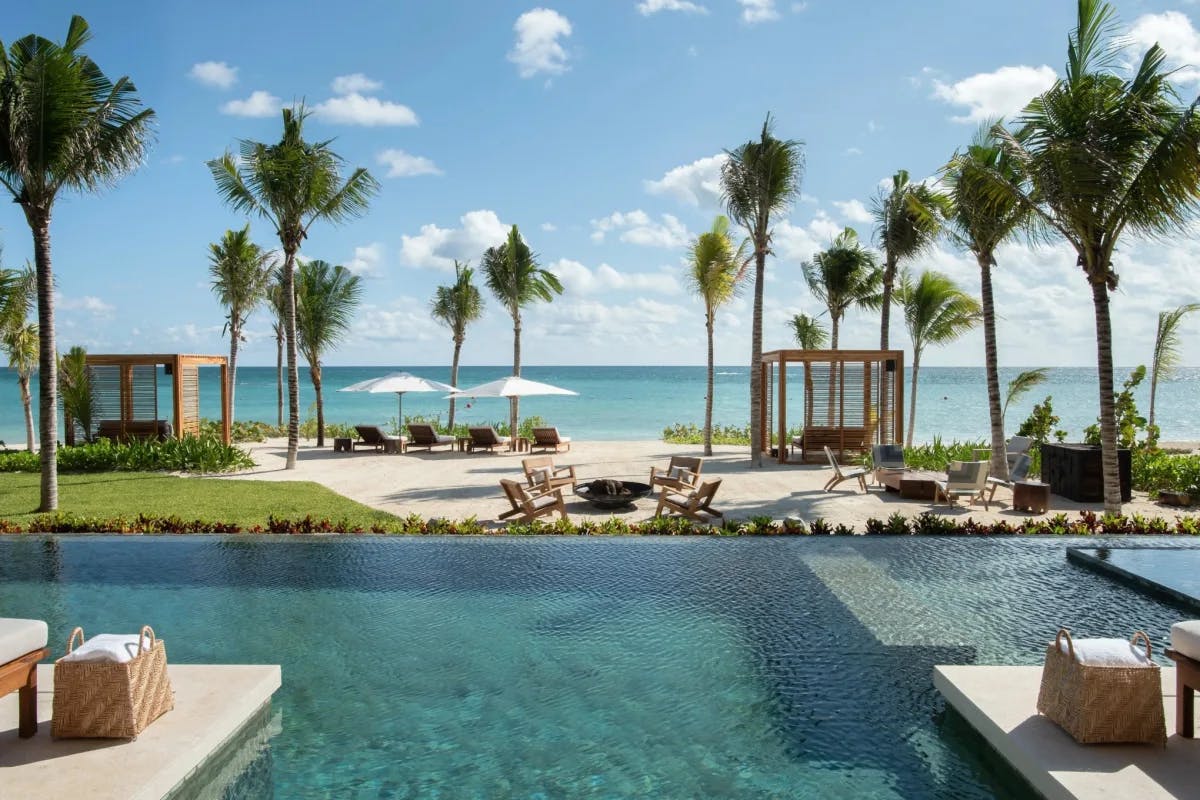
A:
1000,703
212,703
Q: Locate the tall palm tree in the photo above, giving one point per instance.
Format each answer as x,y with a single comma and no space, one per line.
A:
456,306
759,181
275,302
936,312
809,332
241,274
980,223
908,219
292,184
64,125
1166,348
19,336
514,277
842,276
326,299
1103,152
715,276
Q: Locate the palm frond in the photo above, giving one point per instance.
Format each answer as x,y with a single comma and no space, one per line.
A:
1166,340
809,333
716,268
1021,384
326,300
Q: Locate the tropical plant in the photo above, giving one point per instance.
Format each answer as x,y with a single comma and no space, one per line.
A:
1021,384
908,219
64,125
514,277
1130,422
809,333
843,276
456,306
78,394
292,184
759,181
19,336
326,299
1105,151
241,275
714,274
276,304
980,223
1166,348
936,312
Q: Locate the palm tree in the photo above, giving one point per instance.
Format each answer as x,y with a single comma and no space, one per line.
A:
78,393
512,274
843,276
457,306
936,312
1021,384
19,336
809,332
1103,152
1166,348
241,274
63,126
908,220
326,298
715,276
292,184
759,180
981,224
275,301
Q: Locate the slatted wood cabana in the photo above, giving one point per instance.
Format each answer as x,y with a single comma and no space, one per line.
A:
852,400
126,387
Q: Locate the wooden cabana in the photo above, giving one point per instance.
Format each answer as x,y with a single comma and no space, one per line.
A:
852,400
126,389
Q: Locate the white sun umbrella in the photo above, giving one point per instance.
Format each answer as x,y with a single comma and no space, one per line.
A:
512,386
399,382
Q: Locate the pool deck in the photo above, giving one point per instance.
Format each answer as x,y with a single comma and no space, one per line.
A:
1001,704
212,703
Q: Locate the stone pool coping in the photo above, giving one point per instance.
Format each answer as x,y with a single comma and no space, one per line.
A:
1086,556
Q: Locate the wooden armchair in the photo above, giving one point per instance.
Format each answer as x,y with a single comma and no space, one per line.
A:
694,504
531,505
541,474
963,479
681,474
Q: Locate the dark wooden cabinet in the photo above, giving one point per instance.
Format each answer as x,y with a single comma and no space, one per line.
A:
1074,471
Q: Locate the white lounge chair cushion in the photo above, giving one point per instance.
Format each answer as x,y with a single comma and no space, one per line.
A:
1185,638
1108,653
679,473
548,499
564,439
539,476
503,439
109,648
21,636
444,439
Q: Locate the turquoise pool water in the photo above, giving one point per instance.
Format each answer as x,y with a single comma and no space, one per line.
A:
598,668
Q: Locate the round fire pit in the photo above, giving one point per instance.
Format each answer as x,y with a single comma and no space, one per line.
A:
609,494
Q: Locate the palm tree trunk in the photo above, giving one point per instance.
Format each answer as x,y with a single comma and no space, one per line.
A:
1108,419
234,335
514,402
833,368
885,316
458,343
999,466
708,396
314,370
912,397
279,376
27,401
47,360
1153,392
289,333
756,387
833,332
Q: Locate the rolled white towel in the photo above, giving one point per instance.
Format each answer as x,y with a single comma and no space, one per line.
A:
1108,653
111,648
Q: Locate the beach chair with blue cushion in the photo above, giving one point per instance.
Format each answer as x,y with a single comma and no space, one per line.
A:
22,646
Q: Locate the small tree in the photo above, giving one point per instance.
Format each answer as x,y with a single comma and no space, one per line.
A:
1166,349
326,298
843,276
19,336
809,333
78,393
241,274
456,306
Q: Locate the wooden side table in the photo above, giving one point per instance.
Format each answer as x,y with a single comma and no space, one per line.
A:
342,444
1033,496
521,444
463,443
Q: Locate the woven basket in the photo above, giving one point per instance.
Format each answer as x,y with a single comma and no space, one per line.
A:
1102,704
111,701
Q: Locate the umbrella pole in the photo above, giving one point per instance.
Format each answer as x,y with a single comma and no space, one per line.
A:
399,413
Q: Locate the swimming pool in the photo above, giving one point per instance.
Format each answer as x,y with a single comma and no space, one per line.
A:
586,667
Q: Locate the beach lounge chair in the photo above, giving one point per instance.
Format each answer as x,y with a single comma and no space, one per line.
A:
545,438
373,436
425,436
486,438
693,503
681,474
887,456
1016,446
1017,471
964,479
842,474
541,473
22,646
532,504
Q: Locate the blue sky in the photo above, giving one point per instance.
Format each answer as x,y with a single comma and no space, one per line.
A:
597,126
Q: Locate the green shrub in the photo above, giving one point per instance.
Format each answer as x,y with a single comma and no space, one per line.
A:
241,431
205,453
1129,422
938,455
691,433
1155,470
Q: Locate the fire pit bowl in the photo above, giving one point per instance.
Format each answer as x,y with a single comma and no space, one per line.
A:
608,494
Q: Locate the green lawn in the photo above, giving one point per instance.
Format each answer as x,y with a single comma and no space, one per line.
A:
127,494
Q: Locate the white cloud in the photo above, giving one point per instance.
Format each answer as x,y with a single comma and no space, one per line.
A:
404,320
597,324
580,280
88,303
549,227
648,7
436,248
258,104
356,109
1002,93
214,73
537,48
1174,32
191,333
853,210
697,184
754,11
367,261
636,227
403,165
357,83
853,151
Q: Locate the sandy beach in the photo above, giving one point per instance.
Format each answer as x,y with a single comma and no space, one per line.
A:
456,485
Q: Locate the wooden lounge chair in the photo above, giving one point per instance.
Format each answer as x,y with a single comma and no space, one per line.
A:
964,479
681,474
22,646
545,438
530,505
694,503
1017,472
541,473
425,436
486,438
840,474
1016,446
373,436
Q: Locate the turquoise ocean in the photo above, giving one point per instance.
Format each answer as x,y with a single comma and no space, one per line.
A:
636,403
